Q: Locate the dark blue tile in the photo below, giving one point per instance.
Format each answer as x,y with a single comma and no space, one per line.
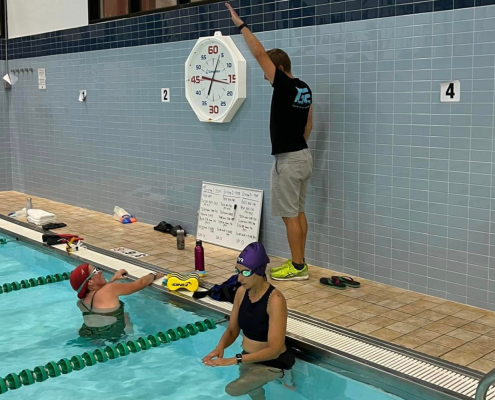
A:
308,3
257,28
369,4
371,13
257,19
484,2
322,10
245,3
295,13
337,8
308,11
308,21
283,24
337,18
424,7
213,7
282,5
280,15
269,26
223,23
213,25
257,9
295,3
322,19
463,3
353,16
387,11
295,23
404,9
443,5
353,5
269,17
270,7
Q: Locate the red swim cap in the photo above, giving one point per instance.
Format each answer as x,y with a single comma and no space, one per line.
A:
77,277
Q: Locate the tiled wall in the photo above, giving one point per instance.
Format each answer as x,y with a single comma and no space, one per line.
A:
402,187
5,147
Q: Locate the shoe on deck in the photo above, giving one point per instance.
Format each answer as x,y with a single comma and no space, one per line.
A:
288,272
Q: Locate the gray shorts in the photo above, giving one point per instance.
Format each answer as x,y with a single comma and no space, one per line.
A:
289,181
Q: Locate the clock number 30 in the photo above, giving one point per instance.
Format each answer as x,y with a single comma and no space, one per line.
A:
213,109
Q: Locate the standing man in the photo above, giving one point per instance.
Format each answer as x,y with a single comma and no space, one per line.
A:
291,118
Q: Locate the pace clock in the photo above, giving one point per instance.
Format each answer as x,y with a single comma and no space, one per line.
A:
215,78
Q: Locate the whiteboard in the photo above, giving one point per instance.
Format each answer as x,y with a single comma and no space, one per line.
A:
229,216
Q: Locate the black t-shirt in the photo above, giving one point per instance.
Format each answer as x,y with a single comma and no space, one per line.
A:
289,113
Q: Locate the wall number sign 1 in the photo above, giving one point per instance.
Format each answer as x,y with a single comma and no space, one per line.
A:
215,78
450,92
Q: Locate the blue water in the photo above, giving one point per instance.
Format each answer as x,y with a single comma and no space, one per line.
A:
41,324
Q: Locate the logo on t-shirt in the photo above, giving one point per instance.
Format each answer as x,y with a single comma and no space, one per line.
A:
303,97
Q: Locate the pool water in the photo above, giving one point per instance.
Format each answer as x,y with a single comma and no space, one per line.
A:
41,324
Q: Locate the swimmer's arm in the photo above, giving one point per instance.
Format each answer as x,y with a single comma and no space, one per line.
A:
233,330
277,328
124,289
309,124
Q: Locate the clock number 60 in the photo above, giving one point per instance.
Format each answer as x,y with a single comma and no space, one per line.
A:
213,109
212,49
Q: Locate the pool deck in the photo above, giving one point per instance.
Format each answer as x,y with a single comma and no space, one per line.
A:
455,332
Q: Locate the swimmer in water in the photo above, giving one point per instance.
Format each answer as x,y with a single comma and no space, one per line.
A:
103,311
260,311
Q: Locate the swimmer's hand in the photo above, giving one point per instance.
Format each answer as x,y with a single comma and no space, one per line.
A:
235,18
119,275
217,353
221,362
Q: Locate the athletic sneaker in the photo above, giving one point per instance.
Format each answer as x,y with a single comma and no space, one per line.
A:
287,272
275,269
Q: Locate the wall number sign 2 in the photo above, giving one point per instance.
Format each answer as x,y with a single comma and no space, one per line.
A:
215,78
165,95
450,92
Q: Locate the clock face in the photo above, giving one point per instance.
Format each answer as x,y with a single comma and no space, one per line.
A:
211,79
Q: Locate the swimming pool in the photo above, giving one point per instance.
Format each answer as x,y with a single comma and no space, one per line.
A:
41,324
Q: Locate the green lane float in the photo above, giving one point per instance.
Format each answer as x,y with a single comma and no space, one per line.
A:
33,282
65,366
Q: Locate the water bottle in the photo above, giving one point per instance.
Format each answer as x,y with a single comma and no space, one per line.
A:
199,257
181,242
29,204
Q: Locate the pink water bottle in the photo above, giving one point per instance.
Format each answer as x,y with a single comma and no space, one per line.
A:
199,257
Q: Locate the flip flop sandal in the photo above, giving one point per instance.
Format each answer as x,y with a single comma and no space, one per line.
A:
334,282
348,281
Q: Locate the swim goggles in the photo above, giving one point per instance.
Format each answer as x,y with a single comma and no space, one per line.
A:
95,271
246,273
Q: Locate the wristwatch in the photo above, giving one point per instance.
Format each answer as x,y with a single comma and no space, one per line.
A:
154,277
238,358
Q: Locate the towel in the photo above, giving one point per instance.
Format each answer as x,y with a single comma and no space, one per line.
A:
40,217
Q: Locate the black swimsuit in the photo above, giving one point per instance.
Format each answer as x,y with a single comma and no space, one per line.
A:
254,322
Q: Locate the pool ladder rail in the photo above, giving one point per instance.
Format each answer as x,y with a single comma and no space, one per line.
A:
484,386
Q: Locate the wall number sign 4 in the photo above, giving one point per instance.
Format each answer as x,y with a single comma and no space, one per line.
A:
215,78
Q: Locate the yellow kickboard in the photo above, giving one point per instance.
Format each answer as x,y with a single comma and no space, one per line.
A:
177,281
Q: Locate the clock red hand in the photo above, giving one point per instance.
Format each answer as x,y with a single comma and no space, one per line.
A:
213,80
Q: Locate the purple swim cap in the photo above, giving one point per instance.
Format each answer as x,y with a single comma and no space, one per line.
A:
254,257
